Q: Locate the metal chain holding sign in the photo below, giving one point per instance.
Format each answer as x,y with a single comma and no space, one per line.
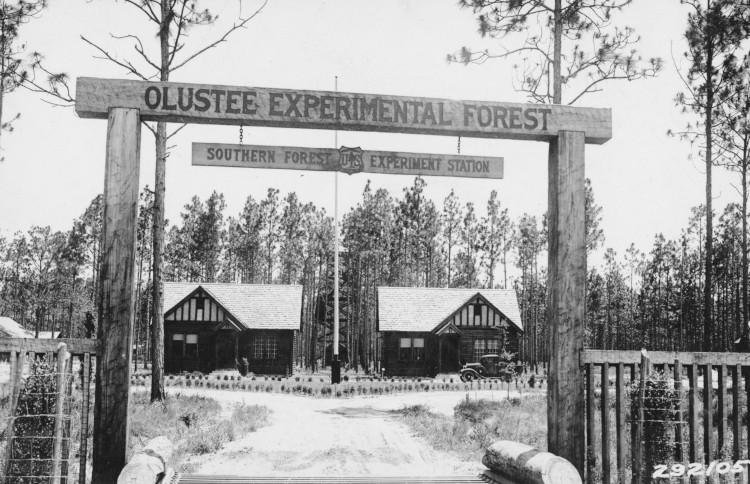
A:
458,147
241,134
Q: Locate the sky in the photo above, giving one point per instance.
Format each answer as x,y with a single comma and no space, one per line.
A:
645,180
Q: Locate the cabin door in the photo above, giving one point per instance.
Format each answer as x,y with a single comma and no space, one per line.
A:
225,346
449,353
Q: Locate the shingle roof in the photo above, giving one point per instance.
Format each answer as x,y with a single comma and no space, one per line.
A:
255,306
424,308
9,328
49,334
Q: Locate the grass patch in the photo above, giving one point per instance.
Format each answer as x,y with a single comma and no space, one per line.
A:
196,425
475,424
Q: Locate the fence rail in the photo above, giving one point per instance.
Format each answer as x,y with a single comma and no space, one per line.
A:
56,391
703,404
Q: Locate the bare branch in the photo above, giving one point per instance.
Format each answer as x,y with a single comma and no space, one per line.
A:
138,48
180,26
145,7
221,39
153,131
177,130
124,64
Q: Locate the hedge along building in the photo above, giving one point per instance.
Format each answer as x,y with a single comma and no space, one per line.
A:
210,326
427,331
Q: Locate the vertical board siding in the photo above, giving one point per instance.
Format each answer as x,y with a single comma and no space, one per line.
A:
590,451
721,403
679,454
709,423
605,423
737,412
693,418
620,421
707,415
85,403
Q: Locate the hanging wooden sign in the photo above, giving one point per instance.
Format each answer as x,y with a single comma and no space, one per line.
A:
347,160
291,108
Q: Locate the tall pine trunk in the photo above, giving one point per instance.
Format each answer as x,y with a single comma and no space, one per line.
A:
745,328
157,332
708,289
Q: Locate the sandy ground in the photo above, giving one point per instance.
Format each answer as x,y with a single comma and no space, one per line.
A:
352,436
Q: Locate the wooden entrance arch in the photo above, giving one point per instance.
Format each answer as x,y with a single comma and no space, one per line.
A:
126,103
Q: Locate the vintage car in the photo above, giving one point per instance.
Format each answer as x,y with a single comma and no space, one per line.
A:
488,366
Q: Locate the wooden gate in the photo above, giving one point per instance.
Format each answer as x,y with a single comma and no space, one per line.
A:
54,373
617,428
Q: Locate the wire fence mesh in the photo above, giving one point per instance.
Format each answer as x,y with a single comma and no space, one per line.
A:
45,417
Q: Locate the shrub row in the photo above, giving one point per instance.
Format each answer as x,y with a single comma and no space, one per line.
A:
319,386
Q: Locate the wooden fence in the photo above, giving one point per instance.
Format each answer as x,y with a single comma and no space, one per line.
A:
71,366
697,436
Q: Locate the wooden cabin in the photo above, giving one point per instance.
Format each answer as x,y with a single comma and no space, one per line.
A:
211,326
426,331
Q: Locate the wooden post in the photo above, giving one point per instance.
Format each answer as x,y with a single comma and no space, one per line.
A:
693,412
62,357
116,294
708,415
620,410
590,441
679,454
639,473
16,372
605,423
722,406
737,420
566,297
85,390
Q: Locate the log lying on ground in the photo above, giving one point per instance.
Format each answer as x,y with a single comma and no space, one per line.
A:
518,462
149,465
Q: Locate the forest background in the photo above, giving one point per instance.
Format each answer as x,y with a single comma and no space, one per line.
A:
649,295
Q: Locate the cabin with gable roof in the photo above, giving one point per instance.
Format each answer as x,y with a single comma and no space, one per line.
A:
212,326
426,331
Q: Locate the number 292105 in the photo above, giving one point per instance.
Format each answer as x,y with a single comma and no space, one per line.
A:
664,471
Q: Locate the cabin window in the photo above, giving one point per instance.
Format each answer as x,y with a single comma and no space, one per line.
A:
485,347
178,345
411,349
404,349
191,346
200,303
418,349
265,347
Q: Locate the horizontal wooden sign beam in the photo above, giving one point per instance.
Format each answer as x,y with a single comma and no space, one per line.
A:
348,160
292,108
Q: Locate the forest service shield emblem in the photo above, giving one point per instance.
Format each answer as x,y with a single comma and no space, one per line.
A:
350,160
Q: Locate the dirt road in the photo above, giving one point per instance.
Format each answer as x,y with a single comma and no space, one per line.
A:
353,436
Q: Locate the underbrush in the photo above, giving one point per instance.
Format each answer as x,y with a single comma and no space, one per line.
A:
475,424
196,425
